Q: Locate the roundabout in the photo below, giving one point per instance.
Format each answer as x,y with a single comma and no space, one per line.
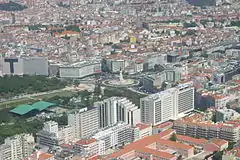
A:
121,82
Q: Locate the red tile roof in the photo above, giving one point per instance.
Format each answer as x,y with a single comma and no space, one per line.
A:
163,125
95,158
86,141
210,147
142,126
200,141
219,142
155,152
45,156
140,146
66,146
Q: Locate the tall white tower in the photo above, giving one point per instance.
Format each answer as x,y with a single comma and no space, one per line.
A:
172,103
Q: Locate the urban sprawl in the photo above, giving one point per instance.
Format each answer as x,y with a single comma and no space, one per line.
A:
119,79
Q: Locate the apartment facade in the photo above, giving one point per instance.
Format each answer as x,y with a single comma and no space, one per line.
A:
115,136
229,131
157,108
49,135
85,122
80,69
66,134
17,147
52,134
153,82
184,99
5,152
90,147
169,104
117,109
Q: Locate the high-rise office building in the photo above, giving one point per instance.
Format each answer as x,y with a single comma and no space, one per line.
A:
169,104
117,109
107,110
128,112
24,66
184,99
85,122
35,66
158,108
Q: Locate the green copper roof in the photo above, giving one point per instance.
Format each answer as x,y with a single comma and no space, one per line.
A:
22,109
41,105
25,108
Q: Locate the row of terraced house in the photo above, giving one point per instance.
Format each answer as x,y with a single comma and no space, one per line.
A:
229,131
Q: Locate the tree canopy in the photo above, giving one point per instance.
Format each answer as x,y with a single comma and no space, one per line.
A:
173,137
73,28
21,126
12,6
15,85
202,3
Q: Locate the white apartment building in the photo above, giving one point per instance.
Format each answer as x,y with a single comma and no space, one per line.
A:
85,122
80,69
51,127
5,152
28,143
17,147
158,108
117,109
115,65
169,104
184,99
107,110
220,101
226,114
52,134
144,130
132,115
156,59
66,134
49,135
90,147
138,66
154,81
115,136
229,131
128,112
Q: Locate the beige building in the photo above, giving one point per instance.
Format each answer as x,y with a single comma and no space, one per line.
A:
85,122
66,134
90,147
145,130
5,152
17,147
229,131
